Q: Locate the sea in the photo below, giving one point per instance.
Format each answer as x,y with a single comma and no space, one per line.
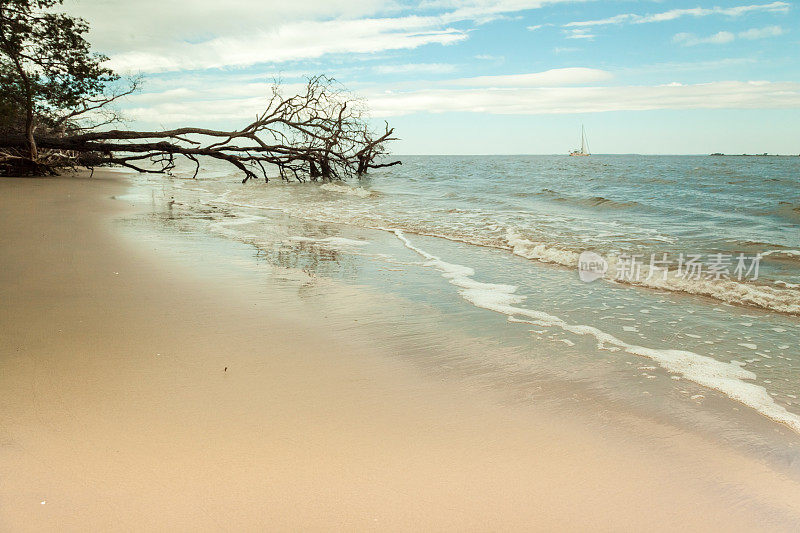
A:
663,284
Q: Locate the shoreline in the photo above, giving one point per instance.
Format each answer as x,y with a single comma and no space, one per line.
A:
117,411
298,225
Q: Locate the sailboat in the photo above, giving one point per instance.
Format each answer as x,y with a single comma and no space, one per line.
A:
584,145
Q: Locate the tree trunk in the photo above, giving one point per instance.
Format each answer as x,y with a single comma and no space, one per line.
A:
313,170
33,152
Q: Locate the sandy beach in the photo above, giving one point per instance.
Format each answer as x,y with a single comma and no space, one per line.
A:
138,392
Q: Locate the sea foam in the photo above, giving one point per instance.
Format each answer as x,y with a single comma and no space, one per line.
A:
728,378
784,300
347,189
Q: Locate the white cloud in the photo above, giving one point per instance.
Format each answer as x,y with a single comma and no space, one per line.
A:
616,19
234,110
435,68
482,11
156,36
234,103
688,39
671,67
632,18
490,57
579,33
762,33
154,25
723,37
292,41
559,100
180,35
548,78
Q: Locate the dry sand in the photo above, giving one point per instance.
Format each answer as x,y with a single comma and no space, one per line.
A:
116,412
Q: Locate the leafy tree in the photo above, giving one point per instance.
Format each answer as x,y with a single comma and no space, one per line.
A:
47,70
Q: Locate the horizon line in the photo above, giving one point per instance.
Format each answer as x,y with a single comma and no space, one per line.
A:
721,154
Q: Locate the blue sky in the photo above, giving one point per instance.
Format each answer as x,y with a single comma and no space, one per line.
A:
479,76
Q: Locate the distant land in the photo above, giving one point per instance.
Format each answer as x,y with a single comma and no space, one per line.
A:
755,155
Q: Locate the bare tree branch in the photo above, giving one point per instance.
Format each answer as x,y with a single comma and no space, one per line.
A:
322,133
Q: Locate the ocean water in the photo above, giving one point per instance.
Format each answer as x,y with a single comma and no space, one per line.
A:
493,243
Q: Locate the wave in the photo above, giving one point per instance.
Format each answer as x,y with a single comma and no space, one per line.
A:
782,255
540,251
592,201
786,210
785,300
780,298
600,201
597,202
790,211
224,226
733,292
728,378
348,189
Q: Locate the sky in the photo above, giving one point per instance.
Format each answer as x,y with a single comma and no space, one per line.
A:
478,76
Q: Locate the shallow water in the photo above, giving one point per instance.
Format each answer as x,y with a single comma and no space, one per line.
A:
491,244
551,208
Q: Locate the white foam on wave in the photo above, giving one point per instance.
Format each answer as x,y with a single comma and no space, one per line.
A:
347,189
790,253
782,297
539,251
223,226
730,291
728,378
785,300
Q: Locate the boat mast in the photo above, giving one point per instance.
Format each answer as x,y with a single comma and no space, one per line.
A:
583,140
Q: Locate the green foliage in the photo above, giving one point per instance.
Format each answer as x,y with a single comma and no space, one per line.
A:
46,65
11,118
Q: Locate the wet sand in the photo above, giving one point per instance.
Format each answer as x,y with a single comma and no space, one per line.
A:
117,411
